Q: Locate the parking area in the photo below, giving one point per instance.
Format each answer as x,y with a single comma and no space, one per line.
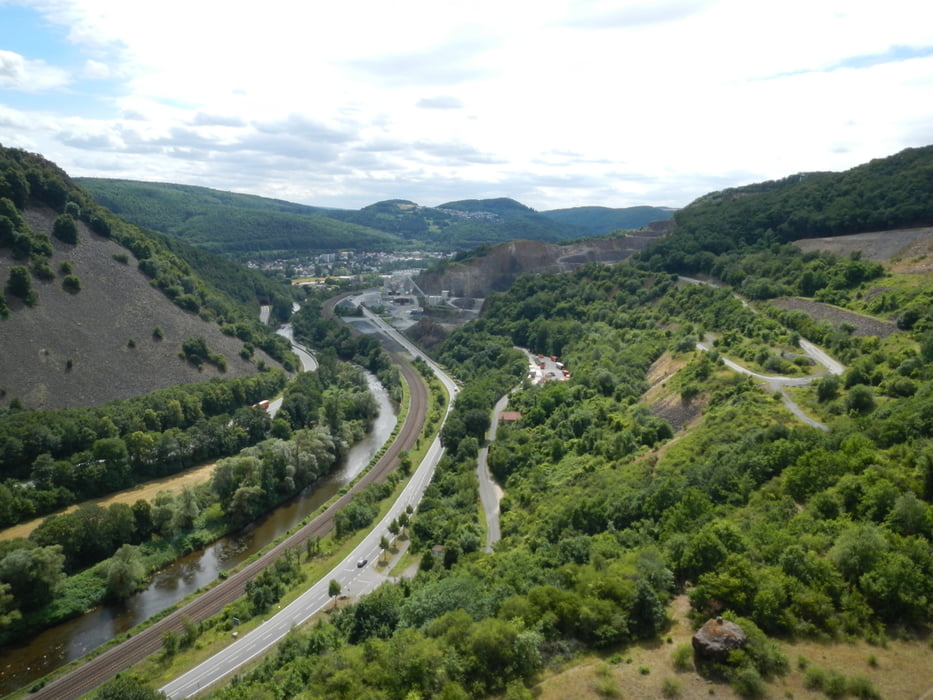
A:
544,368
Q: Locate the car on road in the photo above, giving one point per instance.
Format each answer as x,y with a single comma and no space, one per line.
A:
361,563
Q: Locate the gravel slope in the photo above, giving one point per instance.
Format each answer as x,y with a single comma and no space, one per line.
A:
93,329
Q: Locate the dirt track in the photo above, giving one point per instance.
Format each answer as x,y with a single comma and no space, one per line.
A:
98,670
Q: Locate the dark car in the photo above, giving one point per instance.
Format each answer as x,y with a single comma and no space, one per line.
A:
361,563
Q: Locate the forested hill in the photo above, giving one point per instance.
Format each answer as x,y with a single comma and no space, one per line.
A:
94,309
887,193
598,221
230,223
247,226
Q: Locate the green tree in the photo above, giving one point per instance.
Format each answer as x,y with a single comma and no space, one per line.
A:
383,545
33,574
169,642
8,611
828,388
333,590
860,399
125,571
857,549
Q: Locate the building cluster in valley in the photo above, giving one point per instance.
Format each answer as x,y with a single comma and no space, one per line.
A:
347,262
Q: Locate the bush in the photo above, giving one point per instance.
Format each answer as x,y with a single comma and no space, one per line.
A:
747,683
65,229
860,399
71,284
41,269
671,687
682,658
20,285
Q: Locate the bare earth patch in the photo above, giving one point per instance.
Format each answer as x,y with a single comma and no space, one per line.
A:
912,247
668,404
864,325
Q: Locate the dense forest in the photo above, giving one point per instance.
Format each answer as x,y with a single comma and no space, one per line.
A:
887,193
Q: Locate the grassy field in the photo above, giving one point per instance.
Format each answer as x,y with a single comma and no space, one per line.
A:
898,669
145,491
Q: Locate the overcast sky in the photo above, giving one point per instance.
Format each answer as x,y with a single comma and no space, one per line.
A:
554,103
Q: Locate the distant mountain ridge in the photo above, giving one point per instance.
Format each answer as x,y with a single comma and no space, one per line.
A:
242,225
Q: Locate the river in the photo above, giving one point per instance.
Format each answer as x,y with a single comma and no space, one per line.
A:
22,663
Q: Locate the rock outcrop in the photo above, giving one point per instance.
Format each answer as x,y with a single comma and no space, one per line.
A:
497,269
714,640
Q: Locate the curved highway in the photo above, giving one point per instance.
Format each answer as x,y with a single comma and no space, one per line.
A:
144,643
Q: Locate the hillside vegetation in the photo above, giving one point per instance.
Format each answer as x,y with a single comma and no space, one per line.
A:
249,226
887,193
598,221
799,534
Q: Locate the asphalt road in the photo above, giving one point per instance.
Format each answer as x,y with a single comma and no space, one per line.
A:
88,676
489,491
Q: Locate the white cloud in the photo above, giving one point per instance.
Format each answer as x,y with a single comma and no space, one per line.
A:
440,102
572,102
21,74
95,70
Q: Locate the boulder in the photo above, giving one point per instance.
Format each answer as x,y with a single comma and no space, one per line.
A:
714,640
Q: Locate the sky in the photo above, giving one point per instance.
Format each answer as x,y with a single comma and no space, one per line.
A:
554,103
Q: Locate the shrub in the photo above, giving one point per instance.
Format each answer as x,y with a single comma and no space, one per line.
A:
747,683
20,285
71,284
65,229
670,688
682,658
41,269
860,399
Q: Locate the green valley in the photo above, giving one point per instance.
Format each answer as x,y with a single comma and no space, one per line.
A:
694,462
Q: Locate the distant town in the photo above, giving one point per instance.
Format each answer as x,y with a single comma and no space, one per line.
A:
348,262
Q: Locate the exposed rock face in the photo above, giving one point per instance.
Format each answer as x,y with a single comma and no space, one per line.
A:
495,271
714,640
